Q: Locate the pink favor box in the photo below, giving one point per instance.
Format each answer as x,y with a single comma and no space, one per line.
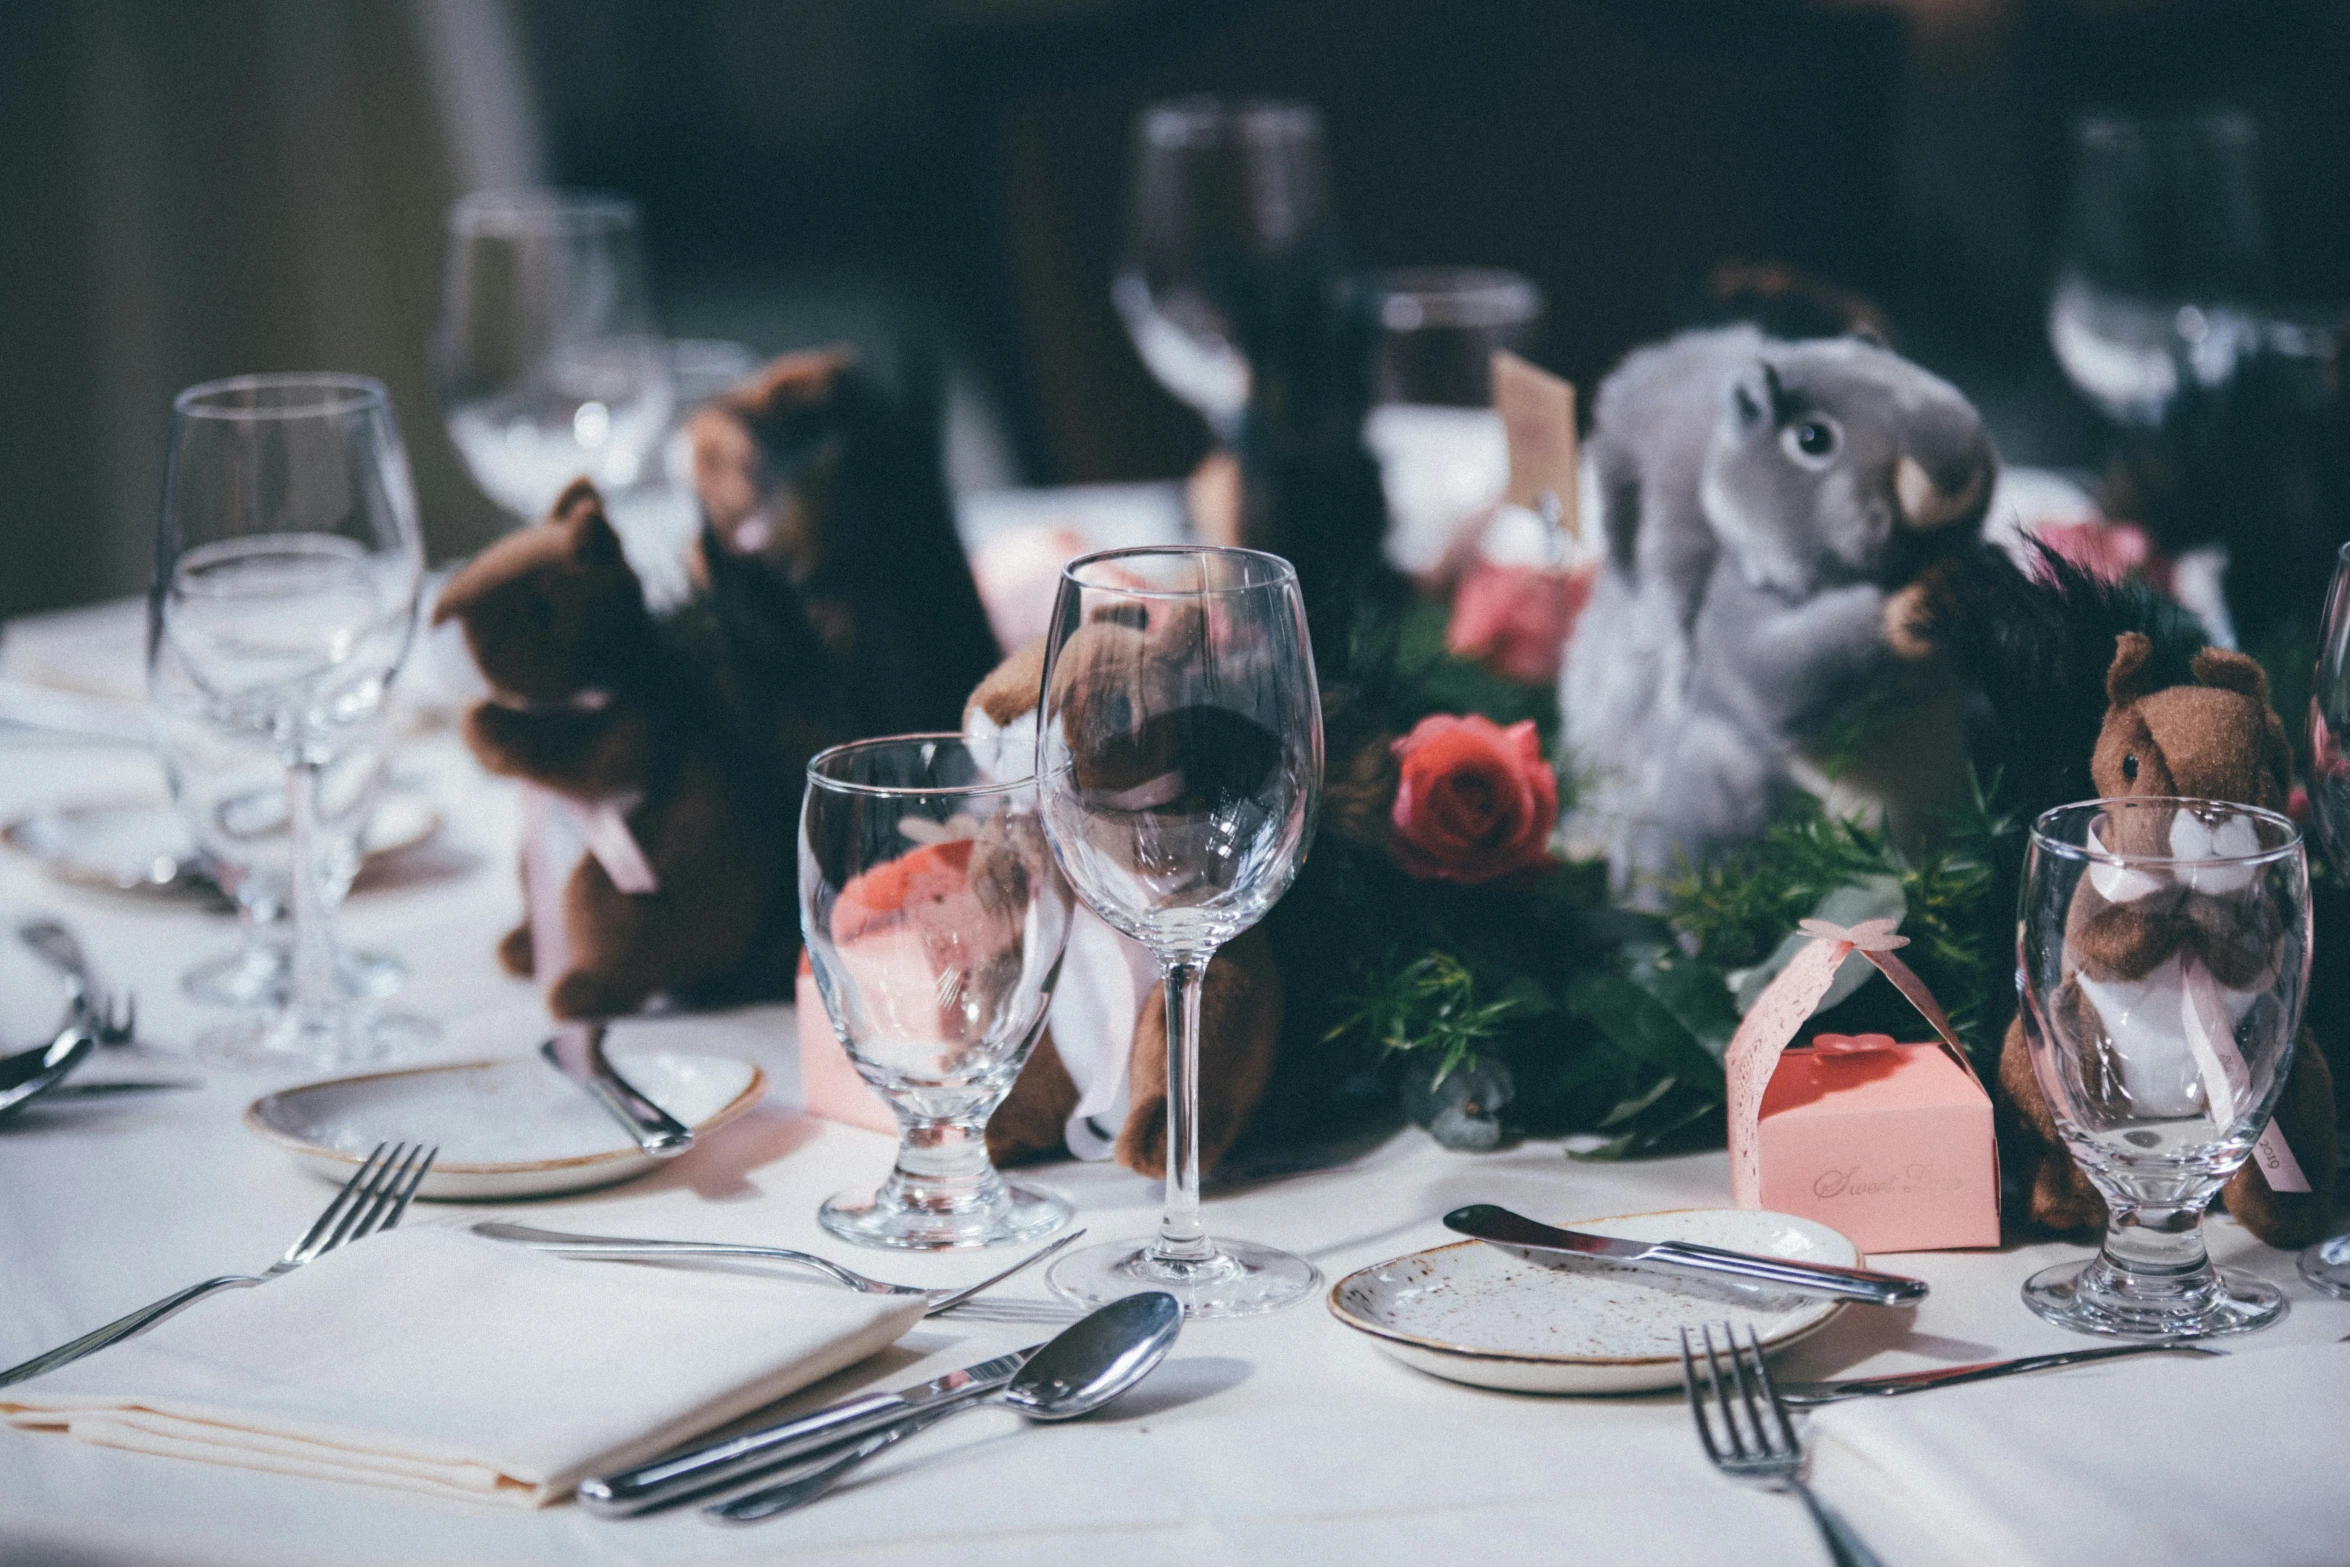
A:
1891,1147
829,1084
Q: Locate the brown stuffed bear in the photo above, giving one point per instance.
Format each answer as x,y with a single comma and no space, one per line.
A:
592,701
1240,1001
2214,739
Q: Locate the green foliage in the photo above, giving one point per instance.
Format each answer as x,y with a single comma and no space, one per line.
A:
1430,1004
1431,680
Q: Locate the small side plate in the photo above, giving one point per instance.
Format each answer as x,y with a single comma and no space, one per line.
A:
139,845
510,1128
1476,1313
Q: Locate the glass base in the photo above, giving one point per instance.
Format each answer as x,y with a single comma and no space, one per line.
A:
2096,1297
1239,1280
359,1040
886,1218
2327,1266
256,977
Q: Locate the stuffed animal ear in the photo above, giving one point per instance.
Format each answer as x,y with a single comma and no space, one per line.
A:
2132,673
1750,396
2231,671
590,539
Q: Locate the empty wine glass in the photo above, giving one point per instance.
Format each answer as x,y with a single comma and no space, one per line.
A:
286,573
1215,184
1179,758
545,356
2327,1264
935,922
2165,955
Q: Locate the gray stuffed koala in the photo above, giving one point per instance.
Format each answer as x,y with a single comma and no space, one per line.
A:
1760,501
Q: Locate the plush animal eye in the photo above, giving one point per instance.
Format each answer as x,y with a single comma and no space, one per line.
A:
1814,439
2130,768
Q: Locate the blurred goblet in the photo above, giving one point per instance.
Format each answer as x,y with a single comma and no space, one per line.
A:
545,357
2165,954
935,923
1215,185
2327,1264
1179,758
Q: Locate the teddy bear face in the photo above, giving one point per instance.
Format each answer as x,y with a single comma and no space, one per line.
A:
553,611
2216,739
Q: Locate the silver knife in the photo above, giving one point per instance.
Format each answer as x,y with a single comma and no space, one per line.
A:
1803,1395
577,1051
121,1085
1486,1222
690,1473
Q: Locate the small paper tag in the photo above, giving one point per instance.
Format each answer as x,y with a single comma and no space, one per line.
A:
2278,1167
2212,1041
605,827
1538,411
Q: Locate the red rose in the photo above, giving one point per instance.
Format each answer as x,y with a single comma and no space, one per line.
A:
1515,620
1475,801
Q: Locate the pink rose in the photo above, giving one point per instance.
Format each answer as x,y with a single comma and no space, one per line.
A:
1474,802
1515,620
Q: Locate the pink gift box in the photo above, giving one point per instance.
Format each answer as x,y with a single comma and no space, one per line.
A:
829,1084
1889,1144
1892,1148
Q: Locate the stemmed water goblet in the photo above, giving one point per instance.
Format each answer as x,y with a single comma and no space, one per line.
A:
1214,185
1179,761
288,561
2165,949
546,358
935,923
2327,1264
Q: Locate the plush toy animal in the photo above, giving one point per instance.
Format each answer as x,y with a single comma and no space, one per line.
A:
596,702
2213,738
1762,503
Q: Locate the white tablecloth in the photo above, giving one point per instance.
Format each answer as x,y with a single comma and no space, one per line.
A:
1278,1439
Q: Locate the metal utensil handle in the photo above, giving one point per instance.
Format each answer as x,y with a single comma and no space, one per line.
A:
775,1500
1814,1278
120,1328
1985,1371
737,1458
1845,1547
569,1245
656,1131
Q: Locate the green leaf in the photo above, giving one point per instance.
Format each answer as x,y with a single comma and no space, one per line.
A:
1641,1026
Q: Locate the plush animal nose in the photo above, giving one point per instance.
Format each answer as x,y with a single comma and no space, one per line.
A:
1930,498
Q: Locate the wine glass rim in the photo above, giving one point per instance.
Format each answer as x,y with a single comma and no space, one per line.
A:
525,209
2044,832
1446,296
818,776
305,394
2216,127
1206,120
1277,571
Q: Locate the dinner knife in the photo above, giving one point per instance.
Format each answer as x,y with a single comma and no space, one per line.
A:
679,1475
577,1051
1802,1395
1486,1222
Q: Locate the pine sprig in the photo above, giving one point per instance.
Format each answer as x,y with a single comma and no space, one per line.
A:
1429,1004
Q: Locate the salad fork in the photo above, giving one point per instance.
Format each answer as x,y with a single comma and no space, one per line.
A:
1749,1447
645,1250
373,1199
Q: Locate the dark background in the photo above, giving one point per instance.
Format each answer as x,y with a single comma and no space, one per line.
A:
194,190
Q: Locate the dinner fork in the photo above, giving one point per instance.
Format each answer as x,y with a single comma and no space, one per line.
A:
1754,1450
569,1245
373,1199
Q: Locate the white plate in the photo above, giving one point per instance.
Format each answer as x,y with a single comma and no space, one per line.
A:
512,1128
1477,1313
140,845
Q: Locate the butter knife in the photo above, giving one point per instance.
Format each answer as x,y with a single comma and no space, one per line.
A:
716,1464
1805,1395
1486,1222
577,1051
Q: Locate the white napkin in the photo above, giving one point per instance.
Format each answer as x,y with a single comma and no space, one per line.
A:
2169,1459
433,1360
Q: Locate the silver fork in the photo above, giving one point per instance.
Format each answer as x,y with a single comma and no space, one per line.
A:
1754,1450
373,1199
565,1244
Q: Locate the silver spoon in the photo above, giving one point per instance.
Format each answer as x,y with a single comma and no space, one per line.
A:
28,1074
1083,1367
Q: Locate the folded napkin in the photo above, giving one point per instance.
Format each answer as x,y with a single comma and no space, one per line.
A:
2168,1459
435,1360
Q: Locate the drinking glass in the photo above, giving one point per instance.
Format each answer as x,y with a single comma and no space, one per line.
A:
286,573
2327,1264
935,922
2165,254
545,357
2165,953
1179,758
1215,184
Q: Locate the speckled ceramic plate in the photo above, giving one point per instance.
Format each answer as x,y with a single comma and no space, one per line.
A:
1481,1314
513,1128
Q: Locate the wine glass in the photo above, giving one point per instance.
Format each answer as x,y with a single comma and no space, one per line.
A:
1179,757
287,565
2327,1264
1215,184
935,922
2165,955
545,356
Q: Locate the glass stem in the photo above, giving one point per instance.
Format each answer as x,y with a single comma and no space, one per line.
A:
2156,1241
312,995
942,1164
1182,1238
